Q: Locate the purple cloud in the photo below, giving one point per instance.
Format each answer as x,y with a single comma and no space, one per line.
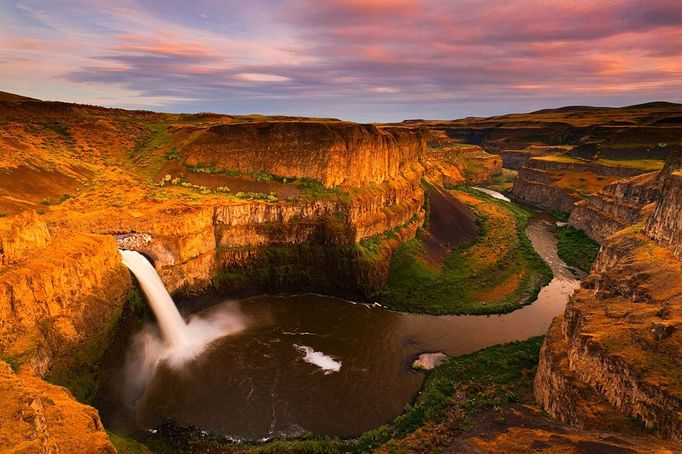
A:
378,60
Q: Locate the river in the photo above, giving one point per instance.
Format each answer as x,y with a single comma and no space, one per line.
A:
312,363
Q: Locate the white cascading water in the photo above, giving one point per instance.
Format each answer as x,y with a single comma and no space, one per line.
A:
173,327
178,342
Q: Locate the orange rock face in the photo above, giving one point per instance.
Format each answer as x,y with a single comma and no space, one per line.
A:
23,235
335,153
102,172
615,353
41,418
60,296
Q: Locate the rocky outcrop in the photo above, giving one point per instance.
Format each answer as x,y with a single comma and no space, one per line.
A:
615,207
335,153
556,183
191,245
619,340
530,189
515,159
665,223
626,202
448,163
59,297
41,418
21,237
609,347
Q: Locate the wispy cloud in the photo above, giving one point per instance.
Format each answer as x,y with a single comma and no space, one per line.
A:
357,59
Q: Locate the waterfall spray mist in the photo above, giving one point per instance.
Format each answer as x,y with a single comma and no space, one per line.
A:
174,342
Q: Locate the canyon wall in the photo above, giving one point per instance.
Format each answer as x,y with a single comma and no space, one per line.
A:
628,201
335,153
38,417
260,246
665,223
615,207
614,354
62,284
557,183
56,294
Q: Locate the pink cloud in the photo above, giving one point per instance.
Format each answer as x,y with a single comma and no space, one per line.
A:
416,52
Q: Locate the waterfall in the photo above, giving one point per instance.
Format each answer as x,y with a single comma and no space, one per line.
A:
179,342
173,327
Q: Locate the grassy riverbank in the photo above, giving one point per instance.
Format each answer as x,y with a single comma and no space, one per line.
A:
575,248
501,263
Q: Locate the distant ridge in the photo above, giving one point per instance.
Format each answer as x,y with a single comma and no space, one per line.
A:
654,105
4,96
571,109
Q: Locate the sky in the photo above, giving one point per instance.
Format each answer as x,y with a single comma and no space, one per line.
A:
362,60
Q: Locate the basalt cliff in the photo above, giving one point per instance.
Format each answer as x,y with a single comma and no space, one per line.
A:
239,204
614,356
247,204
563,156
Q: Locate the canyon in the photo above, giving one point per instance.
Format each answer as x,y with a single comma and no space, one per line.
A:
246,205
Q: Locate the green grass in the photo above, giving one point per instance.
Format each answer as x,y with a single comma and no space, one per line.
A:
416,286
644,164
487,379
316,190
575,248
257,196
560,215
13,361
126,445
58,128
502,182
482,381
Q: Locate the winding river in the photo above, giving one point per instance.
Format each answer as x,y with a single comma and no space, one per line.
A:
311,363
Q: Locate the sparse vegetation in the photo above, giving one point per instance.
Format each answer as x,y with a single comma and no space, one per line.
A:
257,196
172,154
316,190
575,248
261,176
14,362
503,181
502,262
58,128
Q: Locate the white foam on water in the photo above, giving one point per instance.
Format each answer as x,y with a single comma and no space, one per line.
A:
319,359
493,194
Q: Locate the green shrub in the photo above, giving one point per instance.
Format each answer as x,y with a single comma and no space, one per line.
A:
257,196
58,128
261,176
14,362
172,154
576,248
316,190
